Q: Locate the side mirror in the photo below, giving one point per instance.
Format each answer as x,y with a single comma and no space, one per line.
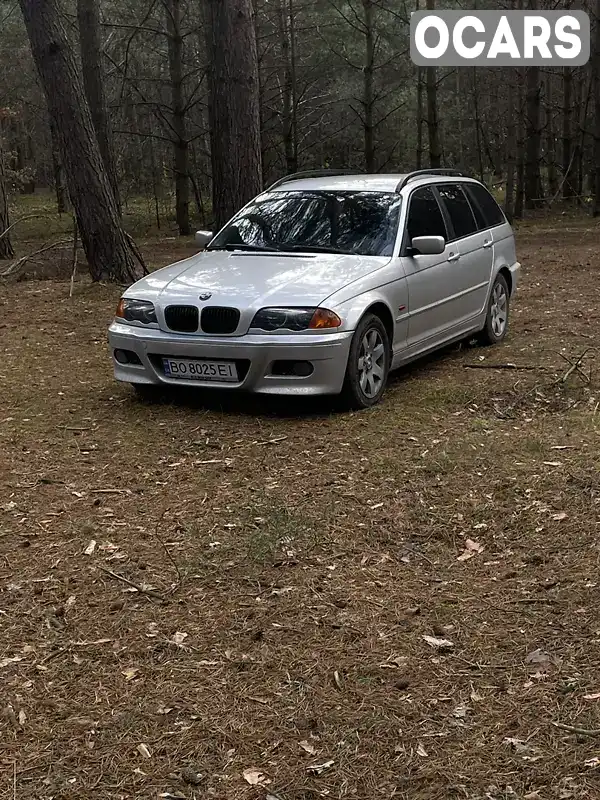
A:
428,245
203,238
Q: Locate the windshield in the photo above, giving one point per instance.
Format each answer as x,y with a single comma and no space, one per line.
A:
356,223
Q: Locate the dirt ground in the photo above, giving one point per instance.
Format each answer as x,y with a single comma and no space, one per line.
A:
221,598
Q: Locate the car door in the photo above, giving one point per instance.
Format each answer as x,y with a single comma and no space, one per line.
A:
426,275
469,280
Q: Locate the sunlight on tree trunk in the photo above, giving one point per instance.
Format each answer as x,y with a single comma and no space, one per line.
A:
6,249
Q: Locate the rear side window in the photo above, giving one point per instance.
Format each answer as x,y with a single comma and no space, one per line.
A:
425,216
491,210
459,210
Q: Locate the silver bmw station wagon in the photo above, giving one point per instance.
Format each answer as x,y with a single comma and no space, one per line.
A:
323,284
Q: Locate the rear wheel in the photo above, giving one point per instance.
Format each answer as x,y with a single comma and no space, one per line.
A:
368,364
496,320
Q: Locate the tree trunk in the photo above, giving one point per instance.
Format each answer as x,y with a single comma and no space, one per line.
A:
520,188
550,138
511,151
533,181
433,125
288,90
567,134
180,143
419,153
91,63
596,78
477,123
233,107
368,101
110,253
60,188
6,249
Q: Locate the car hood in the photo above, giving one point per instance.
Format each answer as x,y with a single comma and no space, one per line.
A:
255,280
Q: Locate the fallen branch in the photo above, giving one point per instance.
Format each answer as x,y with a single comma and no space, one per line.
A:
22,219
17,265
502,366
136,586
576,729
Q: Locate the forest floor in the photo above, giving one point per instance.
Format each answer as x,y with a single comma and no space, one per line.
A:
222,598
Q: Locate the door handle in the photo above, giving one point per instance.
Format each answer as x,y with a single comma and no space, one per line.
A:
487,243
453,256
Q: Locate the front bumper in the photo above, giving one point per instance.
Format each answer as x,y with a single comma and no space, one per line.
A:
328,353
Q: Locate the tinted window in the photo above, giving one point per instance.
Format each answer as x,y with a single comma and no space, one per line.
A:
490,208
459,210
356,223
425,216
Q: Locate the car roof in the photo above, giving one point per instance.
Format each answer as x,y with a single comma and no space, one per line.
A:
361,183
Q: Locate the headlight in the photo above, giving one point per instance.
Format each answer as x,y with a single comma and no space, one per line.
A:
136,311
295,319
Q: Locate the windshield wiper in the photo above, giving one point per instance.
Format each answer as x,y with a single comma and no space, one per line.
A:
312,248
250,247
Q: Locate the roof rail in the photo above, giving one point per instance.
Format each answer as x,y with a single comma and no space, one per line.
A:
312,173
418,173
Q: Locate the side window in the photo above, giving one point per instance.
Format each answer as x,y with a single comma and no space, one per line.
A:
425,216
491,210
459,210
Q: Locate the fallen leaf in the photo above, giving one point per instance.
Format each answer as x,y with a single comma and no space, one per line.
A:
471,549
460,712
421,751
592,696
558,517
6,661
592,763
90,548
308,747
130,673
318,769
179,639
537,657
439,644
70,602
144,750
22,718
254,777
337,680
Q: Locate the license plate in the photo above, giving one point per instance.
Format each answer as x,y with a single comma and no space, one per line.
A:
200,370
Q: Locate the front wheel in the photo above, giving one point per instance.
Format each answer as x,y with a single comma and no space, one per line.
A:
368,364
496,320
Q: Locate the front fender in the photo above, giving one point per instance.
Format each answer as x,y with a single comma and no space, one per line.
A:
352,311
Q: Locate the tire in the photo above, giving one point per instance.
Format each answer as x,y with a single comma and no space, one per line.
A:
364,386
496,318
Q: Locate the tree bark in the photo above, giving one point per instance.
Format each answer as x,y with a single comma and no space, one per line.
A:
520,181
550,137
110,253
533,181
6,249
60,188
511,151
368,101
91,63
233,107
567,134
596,79
433,124
419,153
180,143
288,88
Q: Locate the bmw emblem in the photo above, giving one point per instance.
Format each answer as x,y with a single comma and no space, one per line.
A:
205,295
